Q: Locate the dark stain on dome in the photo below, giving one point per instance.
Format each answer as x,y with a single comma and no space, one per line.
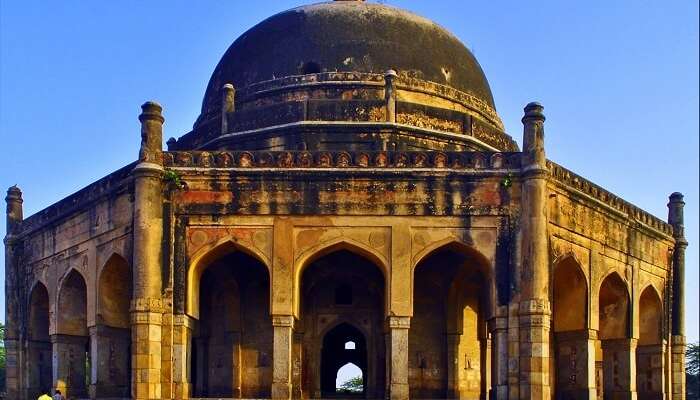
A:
347,36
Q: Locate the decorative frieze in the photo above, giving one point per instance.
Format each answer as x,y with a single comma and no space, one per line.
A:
342,159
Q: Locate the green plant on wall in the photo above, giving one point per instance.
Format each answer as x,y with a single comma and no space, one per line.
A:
173,179
507,181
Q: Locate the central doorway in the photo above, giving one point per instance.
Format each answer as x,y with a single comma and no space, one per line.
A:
343,345
342,324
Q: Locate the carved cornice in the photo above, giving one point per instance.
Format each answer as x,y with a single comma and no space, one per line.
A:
342,159
573,181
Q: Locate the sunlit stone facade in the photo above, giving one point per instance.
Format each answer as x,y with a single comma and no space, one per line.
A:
348,180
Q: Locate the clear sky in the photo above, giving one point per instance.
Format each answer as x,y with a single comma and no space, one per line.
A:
618,79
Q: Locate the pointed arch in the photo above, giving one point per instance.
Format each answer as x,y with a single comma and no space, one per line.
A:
453,294
39,306
451,243
613,307
334,355
325,248
39,343
114,292
650,316
71,307
204,257
569,295
481,264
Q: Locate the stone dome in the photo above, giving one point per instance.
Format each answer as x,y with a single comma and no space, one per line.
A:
346,36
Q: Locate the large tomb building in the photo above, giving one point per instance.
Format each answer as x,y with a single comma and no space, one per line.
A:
347,195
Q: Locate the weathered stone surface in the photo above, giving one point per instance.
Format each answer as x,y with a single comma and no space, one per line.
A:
345,205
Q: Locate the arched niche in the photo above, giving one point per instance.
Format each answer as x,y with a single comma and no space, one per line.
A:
72,306
650,317
204,258
614,351
613,308
321,250
447,341
111,353
71,345
231,350
341,291
650,349
569,297
39,344
571,338
114,293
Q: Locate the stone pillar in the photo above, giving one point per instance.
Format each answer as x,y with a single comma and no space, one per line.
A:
675,218
110,362
398,354
678,367
38,375
147,304
575,364
182,352
282,356
228,105
390,95
454,380
499,360
619,369
534,308
650,371
69,361
297,362
12,249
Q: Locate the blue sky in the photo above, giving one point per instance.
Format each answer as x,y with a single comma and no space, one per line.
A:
618,79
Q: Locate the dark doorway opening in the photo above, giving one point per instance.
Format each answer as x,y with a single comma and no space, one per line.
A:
335,354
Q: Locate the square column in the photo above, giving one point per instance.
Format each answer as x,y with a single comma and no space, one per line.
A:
575,364
297,362
182,352
38,373
534,349
12,370
282,356
146,335
110,362
398,356
650,371
69,360
619,369
678,367
499,361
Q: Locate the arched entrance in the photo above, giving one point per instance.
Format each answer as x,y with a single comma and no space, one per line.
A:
232,343
39,345
571,338
614,352
342,302
342,345
650,354
447,340
71,345
112,337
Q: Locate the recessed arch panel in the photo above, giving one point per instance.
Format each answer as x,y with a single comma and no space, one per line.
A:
205,257
613,308
570,296
72,305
